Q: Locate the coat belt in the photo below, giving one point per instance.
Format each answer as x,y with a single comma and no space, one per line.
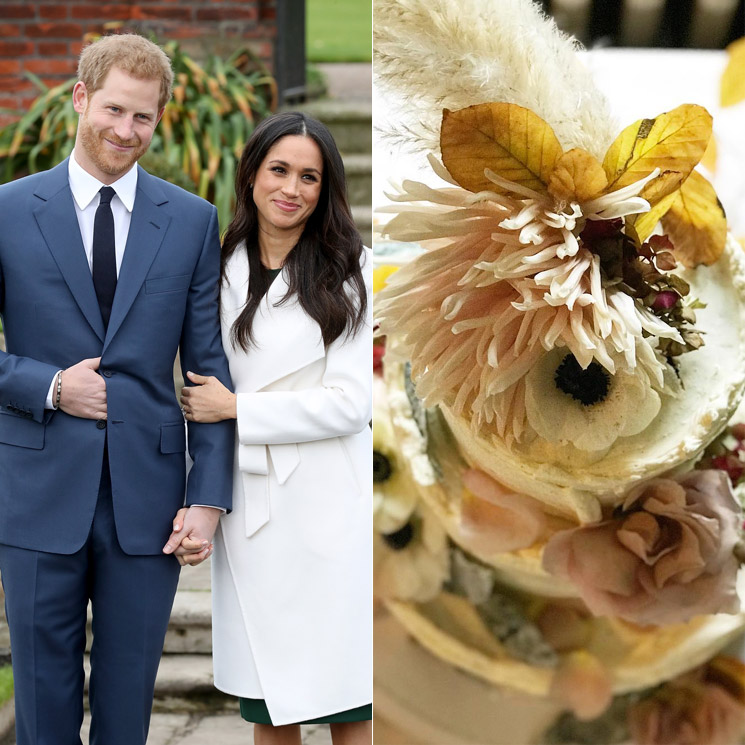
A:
254,459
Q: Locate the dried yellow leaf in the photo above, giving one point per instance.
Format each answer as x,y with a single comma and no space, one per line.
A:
640,227
660,193
696,223
674,141
577,177
732,84
709,161
510,140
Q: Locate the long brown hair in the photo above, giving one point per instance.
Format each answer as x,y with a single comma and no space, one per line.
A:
324,265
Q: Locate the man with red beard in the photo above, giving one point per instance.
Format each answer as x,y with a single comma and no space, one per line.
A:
105,273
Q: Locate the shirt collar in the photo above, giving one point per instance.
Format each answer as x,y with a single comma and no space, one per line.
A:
84,187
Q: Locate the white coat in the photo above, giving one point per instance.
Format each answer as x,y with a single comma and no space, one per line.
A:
292,566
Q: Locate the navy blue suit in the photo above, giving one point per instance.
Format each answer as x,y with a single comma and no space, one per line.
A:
86,506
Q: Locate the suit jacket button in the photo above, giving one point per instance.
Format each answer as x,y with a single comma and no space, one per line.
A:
107,373
101,424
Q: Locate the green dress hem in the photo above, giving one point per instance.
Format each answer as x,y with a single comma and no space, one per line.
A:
254,710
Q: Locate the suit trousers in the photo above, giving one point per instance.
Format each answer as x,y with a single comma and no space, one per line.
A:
46,599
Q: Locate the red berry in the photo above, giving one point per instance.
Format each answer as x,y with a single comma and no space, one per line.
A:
665,300
378,352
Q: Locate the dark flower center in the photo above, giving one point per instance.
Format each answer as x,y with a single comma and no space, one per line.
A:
588,386
401,538
381,467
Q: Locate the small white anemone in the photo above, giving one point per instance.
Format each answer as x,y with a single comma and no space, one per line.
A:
394,492
414,563
628,407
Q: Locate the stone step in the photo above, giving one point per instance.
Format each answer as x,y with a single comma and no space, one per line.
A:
358,170
189,631
363,219
4,638
185,684
190,628
347,81
350,122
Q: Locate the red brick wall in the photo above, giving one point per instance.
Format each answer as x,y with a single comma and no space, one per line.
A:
46,36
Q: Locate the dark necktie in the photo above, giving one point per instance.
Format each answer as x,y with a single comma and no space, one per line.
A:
104,254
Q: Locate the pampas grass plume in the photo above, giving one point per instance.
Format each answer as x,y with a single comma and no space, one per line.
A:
435,54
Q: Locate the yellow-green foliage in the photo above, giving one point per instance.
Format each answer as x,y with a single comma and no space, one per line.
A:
6,683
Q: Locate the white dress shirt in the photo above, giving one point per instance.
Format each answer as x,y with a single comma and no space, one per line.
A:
85,195
85,192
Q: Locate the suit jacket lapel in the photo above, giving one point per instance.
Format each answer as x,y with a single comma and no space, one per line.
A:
146,232
58,223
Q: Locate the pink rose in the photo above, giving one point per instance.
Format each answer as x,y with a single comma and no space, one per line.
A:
702,707
668,556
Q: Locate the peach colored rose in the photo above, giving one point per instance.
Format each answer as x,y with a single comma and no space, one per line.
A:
691,710
494,519
668,555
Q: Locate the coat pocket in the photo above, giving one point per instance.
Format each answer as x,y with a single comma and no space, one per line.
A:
172,438
25,433
167,284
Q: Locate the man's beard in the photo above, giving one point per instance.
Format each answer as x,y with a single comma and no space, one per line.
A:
105,159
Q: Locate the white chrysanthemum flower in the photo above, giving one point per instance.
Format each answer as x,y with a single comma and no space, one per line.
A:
505,280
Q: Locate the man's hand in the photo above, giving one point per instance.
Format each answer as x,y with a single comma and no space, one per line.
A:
191,539
84,390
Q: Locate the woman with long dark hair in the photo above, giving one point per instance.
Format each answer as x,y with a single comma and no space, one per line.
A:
292,620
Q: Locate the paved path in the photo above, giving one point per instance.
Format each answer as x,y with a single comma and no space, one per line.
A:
209,729
348,80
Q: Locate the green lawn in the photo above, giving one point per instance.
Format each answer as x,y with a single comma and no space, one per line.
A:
338,30
6,683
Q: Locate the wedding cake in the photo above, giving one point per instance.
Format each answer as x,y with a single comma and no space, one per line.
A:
560,353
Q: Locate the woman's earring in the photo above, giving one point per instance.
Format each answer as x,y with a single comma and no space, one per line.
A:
250,185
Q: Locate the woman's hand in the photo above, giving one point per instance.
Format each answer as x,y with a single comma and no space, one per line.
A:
208,400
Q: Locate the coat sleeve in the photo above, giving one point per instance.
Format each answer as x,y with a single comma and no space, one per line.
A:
340,405
211,446
24,382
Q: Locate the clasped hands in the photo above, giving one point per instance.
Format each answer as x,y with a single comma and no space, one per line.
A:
191,539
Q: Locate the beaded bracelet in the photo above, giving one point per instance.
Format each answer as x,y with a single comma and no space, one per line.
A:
59,390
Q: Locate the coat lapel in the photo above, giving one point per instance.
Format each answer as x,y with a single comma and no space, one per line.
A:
58,223
286,338
146,232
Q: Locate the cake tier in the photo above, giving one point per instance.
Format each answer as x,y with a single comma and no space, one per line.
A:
636,657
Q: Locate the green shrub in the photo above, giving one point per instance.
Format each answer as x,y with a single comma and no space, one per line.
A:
214,109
